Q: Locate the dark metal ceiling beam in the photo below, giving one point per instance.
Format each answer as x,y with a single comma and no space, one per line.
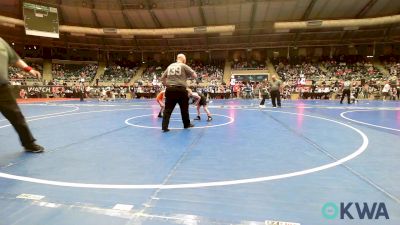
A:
128,23
386,33
343,36
253,15
96,20
202,16
136,43
366,8
305,16
153,15
155,19
167,45
62,21
252,19
296,38
60,13
309,9
126,19
21,8
206,37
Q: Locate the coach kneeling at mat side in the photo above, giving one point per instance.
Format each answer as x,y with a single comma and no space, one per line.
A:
174,77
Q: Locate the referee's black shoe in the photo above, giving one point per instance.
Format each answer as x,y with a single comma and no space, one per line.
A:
190,125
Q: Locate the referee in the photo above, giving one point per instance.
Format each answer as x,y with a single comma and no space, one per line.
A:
275,89
174,77
8,103
346,90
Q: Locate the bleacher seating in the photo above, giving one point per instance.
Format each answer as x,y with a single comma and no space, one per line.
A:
73,72
118,74
18,76
246,65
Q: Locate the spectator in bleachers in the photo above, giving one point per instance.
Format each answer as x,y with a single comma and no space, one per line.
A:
74,72
242,64
119,74
298,70
209,72
20,77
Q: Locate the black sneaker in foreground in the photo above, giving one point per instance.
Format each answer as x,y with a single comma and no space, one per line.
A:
190,125
209,119
34,148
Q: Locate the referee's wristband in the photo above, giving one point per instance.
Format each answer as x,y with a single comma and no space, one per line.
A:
27,69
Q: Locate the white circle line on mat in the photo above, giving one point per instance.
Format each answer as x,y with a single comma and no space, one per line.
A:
51,114
353,155
74,113
231,120
368,124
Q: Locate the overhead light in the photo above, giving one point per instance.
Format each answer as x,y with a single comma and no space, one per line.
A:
202,29
110,30
370,56
314,23
13,43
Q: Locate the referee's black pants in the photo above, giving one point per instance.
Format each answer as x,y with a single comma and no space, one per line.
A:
346,92
276,98
11,111
173,95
